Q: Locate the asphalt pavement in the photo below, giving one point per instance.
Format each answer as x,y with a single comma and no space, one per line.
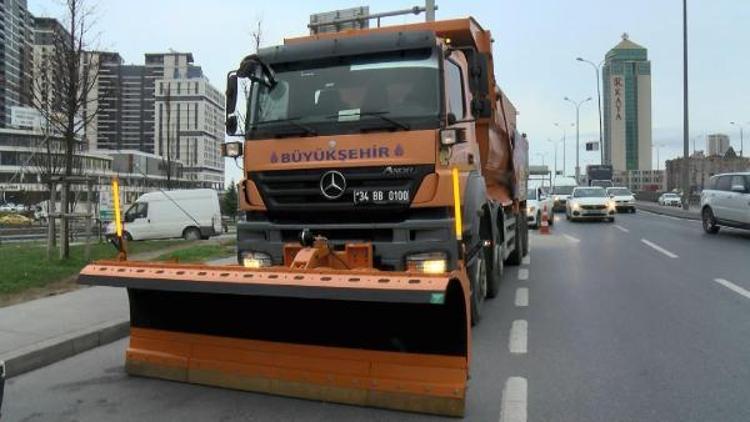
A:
643,319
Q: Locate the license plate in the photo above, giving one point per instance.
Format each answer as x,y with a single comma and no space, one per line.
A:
381,196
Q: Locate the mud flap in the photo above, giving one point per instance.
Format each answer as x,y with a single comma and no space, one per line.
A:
392,340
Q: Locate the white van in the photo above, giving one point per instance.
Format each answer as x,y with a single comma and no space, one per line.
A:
191,214
562,187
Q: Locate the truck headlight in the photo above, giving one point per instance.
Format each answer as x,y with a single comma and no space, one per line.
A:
430,263
530,210
611,205
256,260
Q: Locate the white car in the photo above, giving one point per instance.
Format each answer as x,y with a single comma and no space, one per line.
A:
670,199
561,190
725,201
537,203
624,199
590,202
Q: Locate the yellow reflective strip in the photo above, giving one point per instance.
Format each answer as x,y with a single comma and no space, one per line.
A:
116,198
457,204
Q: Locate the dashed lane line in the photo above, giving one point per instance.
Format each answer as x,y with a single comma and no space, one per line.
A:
522,296
733,287
513,404
519,336
526,260
621,228
659,248
523,274
571,238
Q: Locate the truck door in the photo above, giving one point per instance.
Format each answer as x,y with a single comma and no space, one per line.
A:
137,222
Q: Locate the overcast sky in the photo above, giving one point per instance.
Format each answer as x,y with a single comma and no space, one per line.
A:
537,42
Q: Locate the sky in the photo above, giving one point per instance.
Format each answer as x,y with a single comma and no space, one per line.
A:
537,42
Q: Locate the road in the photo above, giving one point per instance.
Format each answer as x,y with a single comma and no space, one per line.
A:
646,319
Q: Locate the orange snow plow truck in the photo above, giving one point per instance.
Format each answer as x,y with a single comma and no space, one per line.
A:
384,190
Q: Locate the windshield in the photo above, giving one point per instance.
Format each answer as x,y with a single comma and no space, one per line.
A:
531,194
671,195
589,193
393,91
563,190
619,192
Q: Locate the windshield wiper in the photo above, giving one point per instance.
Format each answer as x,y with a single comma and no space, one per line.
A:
378,114
291,121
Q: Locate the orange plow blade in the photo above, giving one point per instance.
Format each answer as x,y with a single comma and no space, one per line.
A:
382,339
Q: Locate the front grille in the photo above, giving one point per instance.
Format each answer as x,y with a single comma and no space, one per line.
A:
593,207
298,191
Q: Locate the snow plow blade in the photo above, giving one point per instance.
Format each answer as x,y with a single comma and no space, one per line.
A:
395,340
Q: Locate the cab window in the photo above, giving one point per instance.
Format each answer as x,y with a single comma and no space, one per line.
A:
455,89
137,210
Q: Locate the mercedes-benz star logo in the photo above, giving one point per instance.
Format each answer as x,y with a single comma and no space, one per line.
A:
332,184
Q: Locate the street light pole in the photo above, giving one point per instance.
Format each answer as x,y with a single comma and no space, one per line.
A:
564,148
686,128
578,134
742,142
554,144
540,154
597,69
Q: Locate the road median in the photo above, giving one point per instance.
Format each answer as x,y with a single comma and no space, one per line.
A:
691,214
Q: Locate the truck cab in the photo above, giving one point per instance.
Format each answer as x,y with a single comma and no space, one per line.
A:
354,136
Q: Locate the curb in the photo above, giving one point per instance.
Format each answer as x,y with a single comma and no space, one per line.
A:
667,213
62,347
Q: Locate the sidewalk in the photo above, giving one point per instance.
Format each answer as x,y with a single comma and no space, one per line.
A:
691,214
43,331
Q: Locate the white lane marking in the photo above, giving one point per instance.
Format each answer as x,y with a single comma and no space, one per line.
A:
621,228
733,287
526,260
659,248
522,296
519,336
513,405
523,274
571,238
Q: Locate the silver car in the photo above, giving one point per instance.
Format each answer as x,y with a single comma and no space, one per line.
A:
725,201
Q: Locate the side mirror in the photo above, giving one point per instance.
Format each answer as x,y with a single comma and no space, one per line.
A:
231,149
231,92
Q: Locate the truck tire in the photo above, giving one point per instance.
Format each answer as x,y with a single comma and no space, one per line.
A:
515,257
494,257
524,235
477,272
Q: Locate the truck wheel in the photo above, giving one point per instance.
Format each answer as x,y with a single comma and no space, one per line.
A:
191,233
515,257
525,236
494,256
478,283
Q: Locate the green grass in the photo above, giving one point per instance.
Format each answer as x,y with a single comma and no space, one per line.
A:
24,266
200,253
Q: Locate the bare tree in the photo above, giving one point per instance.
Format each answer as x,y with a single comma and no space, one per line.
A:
256,33
67,97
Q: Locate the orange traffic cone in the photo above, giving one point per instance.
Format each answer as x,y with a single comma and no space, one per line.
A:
544,224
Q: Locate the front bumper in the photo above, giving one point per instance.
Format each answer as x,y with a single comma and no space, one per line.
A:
391,242
592,214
